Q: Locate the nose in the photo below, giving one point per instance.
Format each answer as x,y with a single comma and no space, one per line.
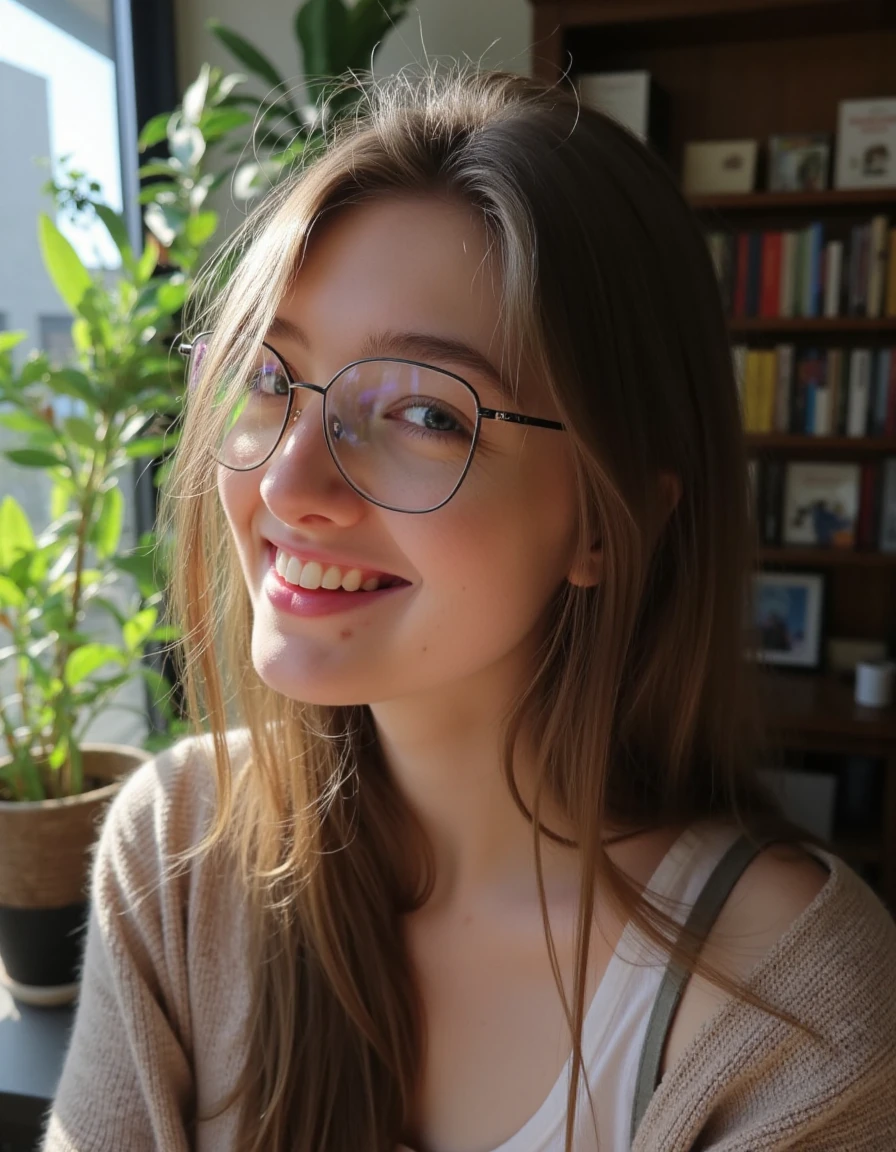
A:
301,483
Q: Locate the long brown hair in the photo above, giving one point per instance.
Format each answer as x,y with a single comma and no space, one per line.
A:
643,711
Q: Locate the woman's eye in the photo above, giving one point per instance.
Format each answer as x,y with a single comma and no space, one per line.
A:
432,418
270,382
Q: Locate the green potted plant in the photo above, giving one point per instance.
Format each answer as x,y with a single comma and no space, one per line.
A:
73,628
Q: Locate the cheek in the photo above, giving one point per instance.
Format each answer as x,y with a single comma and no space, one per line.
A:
239,496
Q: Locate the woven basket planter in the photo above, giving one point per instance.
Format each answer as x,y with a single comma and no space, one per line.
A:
45,857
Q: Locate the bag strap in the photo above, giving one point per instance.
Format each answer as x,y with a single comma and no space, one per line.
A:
702,916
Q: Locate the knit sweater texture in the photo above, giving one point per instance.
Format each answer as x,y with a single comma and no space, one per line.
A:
158,1035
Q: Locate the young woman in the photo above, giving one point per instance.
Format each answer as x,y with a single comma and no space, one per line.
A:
463,542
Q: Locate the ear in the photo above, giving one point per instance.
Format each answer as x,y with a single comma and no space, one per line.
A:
586,571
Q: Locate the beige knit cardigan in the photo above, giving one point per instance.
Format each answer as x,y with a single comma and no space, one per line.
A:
157,1035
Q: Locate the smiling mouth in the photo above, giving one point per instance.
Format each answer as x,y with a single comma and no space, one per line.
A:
313,576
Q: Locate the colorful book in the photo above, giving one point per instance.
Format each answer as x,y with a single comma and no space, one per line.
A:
754,272
740,284
878,236
891,274
784,354
770,291
859,392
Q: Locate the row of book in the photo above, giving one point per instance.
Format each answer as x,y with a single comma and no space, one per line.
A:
803,273
817,391
810,504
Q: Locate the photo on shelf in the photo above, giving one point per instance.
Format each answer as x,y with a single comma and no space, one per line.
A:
866,144
799,163
719,166
821,504
785,620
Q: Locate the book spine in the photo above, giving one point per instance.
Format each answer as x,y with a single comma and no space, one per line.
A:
853,279
877,258
788,260
799,272
890,429
881,375
833,276
862,272
783,386
751,392
770,293
799,400
842,417
891,274
772,501
886,540
833,367
857,419
754,270
816,267
864,526
743,267
739,367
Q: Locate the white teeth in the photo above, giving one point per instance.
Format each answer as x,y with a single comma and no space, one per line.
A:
312,575
332,579
293,571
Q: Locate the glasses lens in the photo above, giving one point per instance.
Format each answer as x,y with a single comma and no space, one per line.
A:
401,434
253,411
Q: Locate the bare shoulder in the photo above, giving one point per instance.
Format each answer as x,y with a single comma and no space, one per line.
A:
774,890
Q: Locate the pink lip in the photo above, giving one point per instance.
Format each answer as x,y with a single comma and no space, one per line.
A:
320,602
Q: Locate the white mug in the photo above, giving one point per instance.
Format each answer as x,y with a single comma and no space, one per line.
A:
874,683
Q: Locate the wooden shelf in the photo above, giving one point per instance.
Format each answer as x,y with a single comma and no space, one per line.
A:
745,325
826,558
803,704
828,201
790,444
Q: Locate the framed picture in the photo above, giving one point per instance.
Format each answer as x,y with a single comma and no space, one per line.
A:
719,166
799,163
786,618
821,504
866,144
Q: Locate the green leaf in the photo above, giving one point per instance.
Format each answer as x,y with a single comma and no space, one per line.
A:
158,168
141,567
200,228
82,431
219,121
146,265
151,446
246,53
108,527
136,631
154,131
171,296
9,340
60,495
33,458
11,595
68,274
187,145
85,661
160,690
26,422
117,229
16,536
322,28
195,95
71,382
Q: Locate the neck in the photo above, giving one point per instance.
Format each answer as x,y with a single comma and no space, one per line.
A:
445,754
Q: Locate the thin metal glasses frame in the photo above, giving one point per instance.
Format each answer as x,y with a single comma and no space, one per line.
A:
186,349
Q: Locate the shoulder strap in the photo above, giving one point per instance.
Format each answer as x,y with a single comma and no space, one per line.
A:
702,916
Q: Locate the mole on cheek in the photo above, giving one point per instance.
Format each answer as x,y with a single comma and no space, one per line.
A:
345,634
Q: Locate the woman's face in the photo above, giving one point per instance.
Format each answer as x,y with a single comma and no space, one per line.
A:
477,573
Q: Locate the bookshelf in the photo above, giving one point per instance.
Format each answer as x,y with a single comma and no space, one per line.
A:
745,69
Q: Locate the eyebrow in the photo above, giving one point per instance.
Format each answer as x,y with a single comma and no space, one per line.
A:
426,346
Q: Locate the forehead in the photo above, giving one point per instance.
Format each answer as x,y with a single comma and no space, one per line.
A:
397,262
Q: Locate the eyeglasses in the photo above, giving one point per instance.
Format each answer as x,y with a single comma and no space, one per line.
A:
402,434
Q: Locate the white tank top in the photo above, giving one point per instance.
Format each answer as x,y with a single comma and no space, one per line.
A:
616,1021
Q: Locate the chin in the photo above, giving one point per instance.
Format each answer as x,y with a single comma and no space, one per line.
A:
309,676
